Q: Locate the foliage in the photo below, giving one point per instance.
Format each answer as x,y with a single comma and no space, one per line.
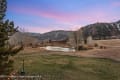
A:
6,51
2,8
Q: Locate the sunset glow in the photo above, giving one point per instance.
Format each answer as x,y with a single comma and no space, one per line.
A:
46,15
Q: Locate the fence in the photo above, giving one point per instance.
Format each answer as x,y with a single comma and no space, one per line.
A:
41,76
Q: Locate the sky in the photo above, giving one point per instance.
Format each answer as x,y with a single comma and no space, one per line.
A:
46,15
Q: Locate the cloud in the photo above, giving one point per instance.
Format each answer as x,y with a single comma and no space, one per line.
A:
116,4
90,15
40,29
45,13
73,20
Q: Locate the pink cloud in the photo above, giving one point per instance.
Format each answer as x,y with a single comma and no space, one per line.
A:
41,29
72,19
68,17
26,28
116,4
48,14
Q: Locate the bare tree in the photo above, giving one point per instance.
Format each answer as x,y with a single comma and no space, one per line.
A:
76,39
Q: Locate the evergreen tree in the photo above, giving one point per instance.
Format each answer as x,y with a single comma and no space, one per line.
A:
2,8
6,51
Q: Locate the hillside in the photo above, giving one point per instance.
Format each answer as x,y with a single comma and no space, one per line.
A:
102,30
53,35
96,30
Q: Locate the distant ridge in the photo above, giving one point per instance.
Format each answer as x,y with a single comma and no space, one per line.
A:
96,30
102,30
53,35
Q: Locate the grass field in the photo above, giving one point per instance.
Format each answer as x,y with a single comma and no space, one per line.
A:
73,68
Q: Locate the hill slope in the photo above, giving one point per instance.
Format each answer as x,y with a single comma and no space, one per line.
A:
53,35
96,30
102,30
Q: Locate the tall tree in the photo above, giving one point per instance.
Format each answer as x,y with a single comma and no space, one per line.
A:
6,51
76,38
2,8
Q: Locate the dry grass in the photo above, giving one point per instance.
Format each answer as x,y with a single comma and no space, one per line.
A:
76,66
112,51
112,42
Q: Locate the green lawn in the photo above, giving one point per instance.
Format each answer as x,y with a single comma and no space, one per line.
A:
73,68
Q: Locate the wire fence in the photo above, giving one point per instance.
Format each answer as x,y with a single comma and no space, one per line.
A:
40,76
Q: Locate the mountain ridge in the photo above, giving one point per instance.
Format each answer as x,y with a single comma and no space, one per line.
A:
99,30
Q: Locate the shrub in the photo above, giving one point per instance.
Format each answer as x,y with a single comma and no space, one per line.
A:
84,47
81,47
103,47
95,45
